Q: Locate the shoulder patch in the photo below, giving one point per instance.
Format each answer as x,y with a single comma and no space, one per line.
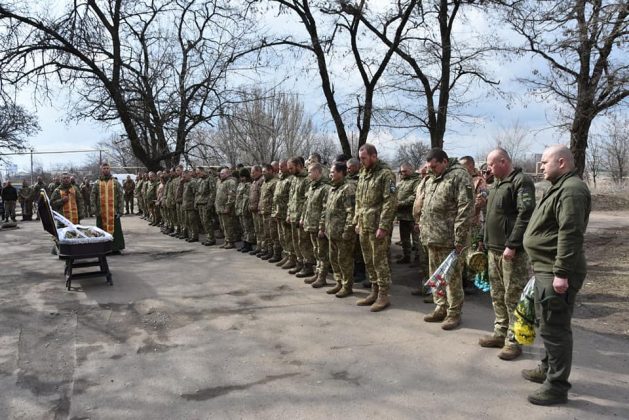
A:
392,187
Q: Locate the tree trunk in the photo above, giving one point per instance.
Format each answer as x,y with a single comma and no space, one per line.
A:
579,140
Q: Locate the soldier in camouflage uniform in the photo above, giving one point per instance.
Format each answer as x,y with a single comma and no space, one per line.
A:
360,274
86,191
128,186
182,232
280,210
376,202
139,183
296,201
316,199
337,224
424,268
510,204
188,206
224,204
254,203
242,210
171,204
405,198
150,195
444,225
271,242
202,199
166,180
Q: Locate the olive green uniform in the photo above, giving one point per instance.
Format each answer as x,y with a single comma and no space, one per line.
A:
338,224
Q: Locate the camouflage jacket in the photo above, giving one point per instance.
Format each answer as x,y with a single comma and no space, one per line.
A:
447,209
225,196
376,198
510,203
161,190
56,199
86,190
420,193
265,206
297,196
179,191
406,190
202,192
25,194
338,217
129,187
188,194
254,194
170,192
316,198
242,198
37,188
280,197
150,194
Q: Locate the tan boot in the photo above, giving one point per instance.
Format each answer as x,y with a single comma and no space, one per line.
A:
371,297
310,280
345,292
335,289
282,261
291,263
438,315
491,341
306,271
382,301
451,322
321,280
510,351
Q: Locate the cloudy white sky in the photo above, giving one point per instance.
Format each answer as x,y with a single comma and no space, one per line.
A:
492,112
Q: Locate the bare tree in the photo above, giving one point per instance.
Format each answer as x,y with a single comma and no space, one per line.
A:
594,158
158,68
414,153
15,125
616,147
584,44
515,140
118,153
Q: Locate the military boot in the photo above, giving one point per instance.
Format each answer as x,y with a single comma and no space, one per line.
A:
335,289
290,263
382,301
254,251
306,271
491,341
246,247
438,315
371,297
545,396
345,291
267,255
510,351
405,259
537,375
229,245
297,268
451,322
282,261
277,256
321,280
310,280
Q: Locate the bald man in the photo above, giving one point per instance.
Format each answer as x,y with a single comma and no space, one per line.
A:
554,242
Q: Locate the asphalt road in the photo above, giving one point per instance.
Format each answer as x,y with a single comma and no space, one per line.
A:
191,332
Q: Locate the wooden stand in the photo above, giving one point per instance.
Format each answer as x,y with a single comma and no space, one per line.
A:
73,262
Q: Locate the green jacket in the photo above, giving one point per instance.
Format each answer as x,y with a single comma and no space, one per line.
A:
447,208
510,203
242,198
280,197
297,196
225,196
151,191
554,237
376,198
202,192
338,215
265,205
189,193
254,194
406,197
316,198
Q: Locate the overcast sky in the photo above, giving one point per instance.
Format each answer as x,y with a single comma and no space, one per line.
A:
492,112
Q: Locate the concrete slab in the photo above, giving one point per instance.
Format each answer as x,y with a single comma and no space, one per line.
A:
197,332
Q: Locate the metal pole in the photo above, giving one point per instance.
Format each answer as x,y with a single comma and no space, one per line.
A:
100,157
31,167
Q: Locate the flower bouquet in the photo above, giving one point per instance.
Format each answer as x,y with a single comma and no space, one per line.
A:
524,325
439,279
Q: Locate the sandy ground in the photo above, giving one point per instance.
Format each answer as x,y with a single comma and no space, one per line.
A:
193,332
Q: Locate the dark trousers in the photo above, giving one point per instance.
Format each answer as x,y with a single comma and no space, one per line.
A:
554,314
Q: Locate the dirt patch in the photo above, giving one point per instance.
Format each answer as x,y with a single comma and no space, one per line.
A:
602,305
610,201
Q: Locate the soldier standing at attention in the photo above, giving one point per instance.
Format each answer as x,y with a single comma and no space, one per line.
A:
554,242
316,199
136,192
66,199
204,189
280,210
86,192
254,202
129,188
296,201
25,196
509,207
376,202
271,242
56,182
187,205
444,225
405,198
242,211
108,201
151,197
360,275
224,204
40,185
337,224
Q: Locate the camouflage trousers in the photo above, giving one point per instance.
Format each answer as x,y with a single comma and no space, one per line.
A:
248,228
453,301
286,239
301,244
128,203
406,234
172,215
179,217
342,260
321,251
192,223
228,222
507,280
376,255
271,235
206,217
258,225
424,267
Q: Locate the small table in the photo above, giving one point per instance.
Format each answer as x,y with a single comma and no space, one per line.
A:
77,261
